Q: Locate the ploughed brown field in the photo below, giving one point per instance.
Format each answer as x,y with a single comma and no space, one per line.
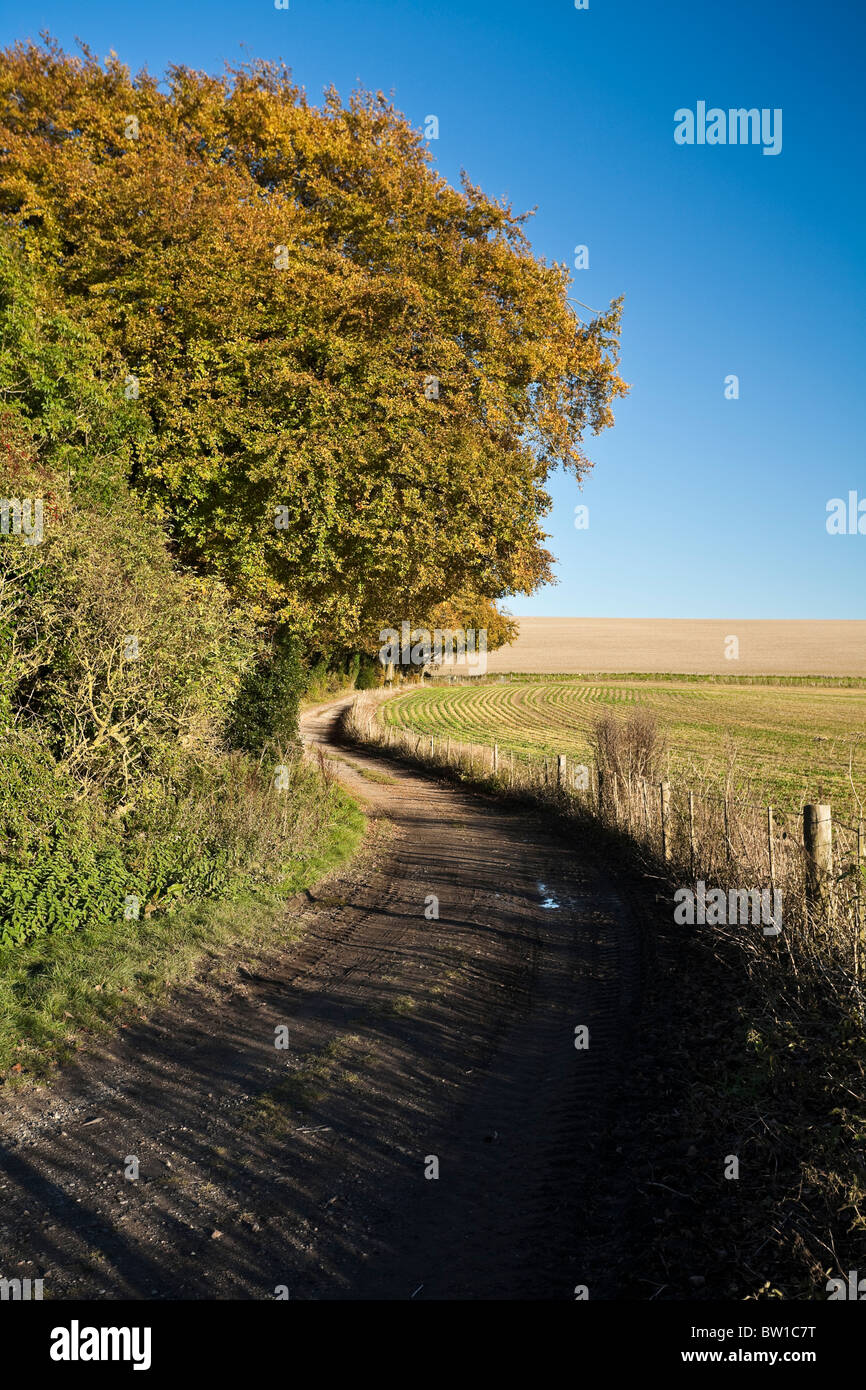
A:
793,647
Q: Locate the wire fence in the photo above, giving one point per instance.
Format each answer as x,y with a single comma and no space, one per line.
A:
715,844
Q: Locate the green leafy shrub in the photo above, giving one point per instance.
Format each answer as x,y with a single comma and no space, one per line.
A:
265,709
369,674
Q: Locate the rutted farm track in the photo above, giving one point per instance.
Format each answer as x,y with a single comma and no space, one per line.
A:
408,1038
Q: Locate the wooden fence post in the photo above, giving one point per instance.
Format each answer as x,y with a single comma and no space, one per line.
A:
495,758
560,771
770,850
818,844
692,855
729,849
665,803
858,928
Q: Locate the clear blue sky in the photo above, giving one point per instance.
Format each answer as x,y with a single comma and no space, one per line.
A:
731,261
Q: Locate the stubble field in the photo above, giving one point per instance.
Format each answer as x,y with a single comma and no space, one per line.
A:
556,646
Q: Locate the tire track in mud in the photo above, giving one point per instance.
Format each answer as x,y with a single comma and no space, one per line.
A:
411,1037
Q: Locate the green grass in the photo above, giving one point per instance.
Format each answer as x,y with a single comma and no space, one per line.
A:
368,773
300,1090
55,990
789,740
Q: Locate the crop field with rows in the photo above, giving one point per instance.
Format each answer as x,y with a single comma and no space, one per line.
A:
789,743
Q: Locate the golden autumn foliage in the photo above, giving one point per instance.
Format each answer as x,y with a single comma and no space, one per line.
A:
470,611
283,281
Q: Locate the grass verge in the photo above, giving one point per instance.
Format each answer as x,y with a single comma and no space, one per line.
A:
56,990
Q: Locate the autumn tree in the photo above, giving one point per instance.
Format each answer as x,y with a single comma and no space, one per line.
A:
358,378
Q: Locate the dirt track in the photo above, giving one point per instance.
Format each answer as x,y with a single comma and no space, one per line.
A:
408,1038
